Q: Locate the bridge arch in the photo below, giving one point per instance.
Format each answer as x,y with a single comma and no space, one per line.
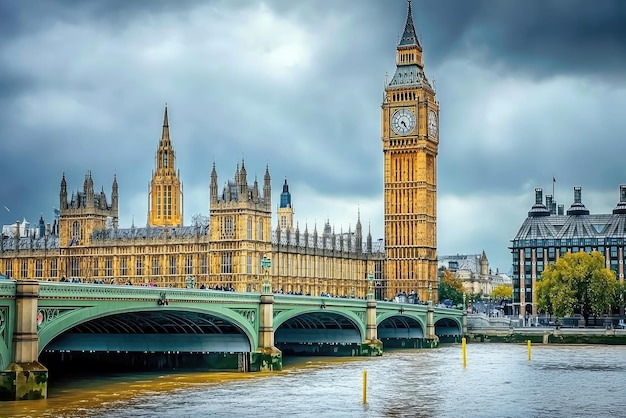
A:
448,329
405,330
318,325
100,320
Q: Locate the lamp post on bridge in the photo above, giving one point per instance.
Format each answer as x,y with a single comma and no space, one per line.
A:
266,263
370,287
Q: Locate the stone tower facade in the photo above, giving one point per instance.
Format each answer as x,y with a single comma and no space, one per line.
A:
165,198
410,138
85,212
240,228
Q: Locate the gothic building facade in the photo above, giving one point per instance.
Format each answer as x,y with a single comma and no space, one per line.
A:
86,242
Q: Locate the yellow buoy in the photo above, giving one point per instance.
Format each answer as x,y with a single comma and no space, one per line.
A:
364,387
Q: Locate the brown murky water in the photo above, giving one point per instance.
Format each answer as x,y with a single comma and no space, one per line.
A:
559,381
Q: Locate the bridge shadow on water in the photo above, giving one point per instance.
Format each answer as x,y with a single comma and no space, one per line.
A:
63,364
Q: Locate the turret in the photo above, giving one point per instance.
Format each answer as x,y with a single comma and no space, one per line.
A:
114,201
63,194
42,227
88,190
484,265
267,188
243,183
213,187
255,190
359,235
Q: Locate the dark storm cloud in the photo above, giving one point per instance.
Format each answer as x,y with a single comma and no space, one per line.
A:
527,89
539,37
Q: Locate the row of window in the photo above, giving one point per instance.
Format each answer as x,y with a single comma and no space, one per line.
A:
568,242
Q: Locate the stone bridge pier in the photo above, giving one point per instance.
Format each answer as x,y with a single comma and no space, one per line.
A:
267,356
25,378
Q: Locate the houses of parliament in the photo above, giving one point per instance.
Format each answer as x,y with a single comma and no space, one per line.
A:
85,241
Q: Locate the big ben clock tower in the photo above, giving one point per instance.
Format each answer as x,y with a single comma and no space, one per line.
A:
410,136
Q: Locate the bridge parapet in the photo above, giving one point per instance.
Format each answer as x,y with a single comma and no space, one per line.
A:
7,289
56,290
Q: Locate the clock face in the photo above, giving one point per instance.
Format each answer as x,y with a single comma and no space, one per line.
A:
432,123
403,121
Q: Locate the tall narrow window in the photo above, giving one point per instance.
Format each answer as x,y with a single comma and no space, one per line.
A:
75,267
189,265
108,267
227,262
123,267
173,264
203,265
53,268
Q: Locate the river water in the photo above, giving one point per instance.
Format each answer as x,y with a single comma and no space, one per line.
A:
499,381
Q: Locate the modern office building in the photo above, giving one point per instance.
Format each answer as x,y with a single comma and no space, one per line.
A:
549,232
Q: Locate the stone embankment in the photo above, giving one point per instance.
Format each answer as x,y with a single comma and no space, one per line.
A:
484,329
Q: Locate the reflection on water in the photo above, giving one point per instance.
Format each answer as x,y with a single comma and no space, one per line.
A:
559,381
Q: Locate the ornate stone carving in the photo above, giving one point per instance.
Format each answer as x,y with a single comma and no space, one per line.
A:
249,314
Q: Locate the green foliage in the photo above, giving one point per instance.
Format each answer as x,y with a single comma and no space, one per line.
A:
577,283
502,291
451,288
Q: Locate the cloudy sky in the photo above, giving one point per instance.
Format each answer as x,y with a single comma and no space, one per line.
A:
528,91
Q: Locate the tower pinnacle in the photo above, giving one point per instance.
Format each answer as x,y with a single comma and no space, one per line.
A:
409,38
166,127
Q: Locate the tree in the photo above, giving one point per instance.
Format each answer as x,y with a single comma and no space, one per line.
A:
501,291
451,287
577,283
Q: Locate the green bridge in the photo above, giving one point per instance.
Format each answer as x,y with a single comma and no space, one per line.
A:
44,318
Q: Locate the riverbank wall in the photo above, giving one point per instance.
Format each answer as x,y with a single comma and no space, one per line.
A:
541,335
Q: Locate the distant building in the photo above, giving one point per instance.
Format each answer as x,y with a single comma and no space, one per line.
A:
548,234
25,230
473,270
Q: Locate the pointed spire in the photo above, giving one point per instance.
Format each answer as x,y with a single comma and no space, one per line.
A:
409,38
165,136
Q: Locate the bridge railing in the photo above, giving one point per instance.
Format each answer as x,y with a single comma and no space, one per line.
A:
321,301
7,288
57,290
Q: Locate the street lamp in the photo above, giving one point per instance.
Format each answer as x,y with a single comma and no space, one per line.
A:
266,263
464,307
370,286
